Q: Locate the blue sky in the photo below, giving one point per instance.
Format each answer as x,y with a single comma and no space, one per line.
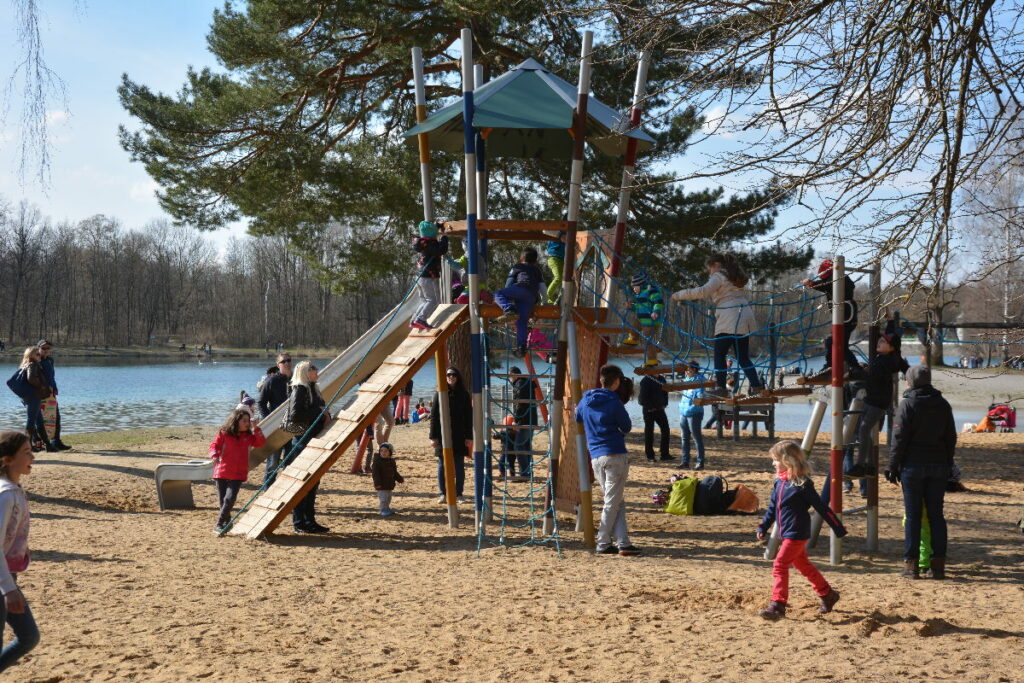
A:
90,44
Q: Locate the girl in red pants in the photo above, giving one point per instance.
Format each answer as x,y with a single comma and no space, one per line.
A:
788,505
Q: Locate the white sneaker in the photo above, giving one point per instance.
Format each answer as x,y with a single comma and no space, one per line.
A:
440,500
462,500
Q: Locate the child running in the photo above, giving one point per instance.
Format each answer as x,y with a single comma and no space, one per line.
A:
230,450
15,462
431,249
520,295
792,494
385,475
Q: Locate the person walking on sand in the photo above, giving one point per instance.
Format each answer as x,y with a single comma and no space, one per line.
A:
921,458
272,394
33,400
792,495
230,450
734,319
654,399
15,462
605,422
46,362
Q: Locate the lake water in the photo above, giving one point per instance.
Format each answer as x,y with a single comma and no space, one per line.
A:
108,395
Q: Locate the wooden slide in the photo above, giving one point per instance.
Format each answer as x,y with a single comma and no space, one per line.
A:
309,466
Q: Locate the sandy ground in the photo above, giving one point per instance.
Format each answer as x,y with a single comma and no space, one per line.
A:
124,592
976,389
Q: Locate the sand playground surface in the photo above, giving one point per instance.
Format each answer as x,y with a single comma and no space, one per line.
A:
122,591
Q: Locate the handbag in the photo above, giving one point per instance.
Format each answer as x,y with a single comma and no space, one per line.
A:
288,425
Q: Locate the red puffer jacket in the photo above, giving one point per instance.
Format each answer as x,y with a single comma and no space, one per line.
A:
232,454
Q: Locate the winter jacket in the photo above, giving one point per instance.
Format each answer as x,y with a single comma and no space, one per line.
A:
923,430
687,408
733,314
305,405
788,505
527,276
460,415
878,378
273,393
232,453
14,523
649,301
385,474
430,250
555,249
49,372
523,390
823,284
605,422
36,376
652,393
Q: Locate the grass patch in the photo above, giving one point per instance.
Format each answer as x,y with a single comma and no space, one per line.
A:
136,437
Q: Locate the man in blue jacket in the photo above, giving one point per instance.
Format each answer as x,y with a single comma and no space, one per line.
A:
606,423
47,365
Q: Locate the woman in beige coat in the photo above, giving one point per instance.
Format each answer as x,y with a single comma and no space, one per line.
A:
734,319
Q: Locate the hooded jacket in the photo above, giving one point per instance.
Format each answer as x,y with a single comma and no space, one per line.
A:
14,523
733,314
232,453
460,414
527,276
878,384
687,407
605,422
788,505
823,283
431,250
923,430
523,390
48,370
385,474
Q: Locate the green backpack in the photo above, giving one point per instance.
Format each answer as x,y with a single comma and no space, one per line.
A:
680,500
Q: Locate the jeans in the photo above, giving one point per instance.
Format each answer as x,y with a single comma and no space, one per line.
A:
741,349
795,553
611,472
691,429
460,472
869,419
924,487
522,444
304,514
651,418
384,498
26,635
430,297
851,359
34,418
227,494
507,459
523,300
556,265
273,461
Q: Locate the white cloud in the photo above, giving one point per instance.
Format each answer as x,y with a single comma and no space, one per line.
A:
717,121
143,191
56,118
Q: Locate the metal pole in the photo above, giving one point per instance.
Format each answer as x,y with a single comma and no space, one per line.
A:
481,211
871,530
838,372
420,89
810,435
475,336
568,283
626,190
584,511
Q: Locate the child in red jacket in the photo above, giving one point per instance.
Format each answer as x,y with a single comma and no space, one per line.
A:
791,497
230,450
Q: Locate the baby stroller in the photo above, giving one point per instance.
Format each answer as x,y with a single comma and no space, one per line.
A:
1003,416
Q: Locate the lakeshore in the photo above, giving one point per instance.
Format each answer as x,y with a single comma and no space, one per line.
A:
123,591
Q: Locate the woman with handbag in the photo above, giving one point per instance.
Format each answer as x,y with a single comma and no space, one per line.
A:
41,390
307,416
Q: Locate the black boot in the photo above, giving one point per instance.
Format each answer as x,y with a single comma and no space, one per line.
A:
776,610
938,568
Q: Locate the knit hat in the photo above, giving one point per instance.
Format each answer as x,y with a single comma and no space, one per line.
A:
825,266
919,376
387,445
514,370
638,280
428,229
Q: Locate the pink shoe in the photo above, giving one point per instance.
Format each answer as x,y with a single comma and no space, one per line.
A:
417,325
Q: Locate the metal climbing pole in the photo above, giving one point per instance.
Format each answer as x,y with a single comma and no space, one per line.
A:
838,373
875,288
579,131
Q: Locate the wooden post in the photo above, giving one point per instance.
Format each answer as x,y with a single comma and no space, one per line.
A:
585,513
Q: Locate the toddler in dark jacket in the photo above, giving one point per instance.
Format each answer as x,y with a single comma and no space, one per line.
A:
788,505
385,475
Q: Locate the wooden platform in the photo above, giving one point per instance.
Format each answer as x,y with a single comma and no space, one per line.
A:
686,386
543,312
309,466
627,350
790,391
660,369
517,231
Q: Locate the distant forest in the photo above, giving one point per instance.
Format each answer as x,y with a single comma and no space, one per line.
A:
97,283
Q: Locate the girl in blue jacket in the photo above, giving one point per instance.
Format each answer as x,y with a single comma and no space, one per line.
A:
791,497
691,416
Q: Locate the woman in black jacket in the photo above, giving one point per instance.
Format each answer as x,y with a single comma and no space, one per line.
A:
460,418
41,390
305,405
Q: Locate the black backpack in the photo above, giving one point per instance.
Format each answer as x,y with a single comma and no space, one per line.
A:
710,498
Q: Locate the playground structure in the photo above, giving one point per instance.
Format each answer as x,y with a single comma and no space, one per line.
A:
593,314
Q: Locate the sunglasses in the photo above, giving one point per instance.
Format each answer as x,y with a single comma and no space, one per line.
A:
286,360
450,374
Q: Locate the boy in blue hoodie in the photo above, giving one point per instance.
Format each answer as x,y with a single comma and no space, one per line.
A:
605,422
521,293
